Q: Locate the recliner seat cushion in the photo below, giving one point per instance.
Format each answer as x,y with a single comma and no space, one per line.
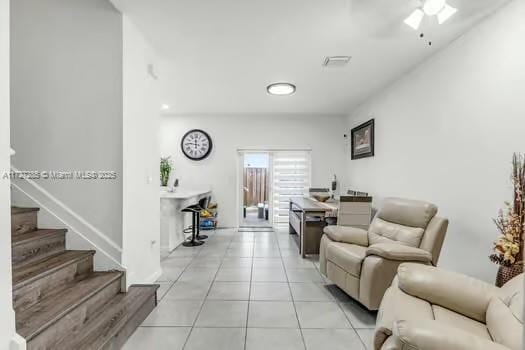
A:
349,257
381,231
407,212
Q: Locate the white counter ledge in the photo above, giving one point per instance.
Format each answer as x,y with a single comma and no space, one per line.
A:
172,220
183,193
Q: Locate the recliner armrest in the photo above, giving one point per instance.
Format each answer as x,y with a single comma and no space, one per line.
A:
347,234
399,252
463,294
435,335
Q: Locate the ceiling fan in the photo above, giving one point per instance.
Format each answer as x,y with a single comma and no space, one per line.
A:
430,8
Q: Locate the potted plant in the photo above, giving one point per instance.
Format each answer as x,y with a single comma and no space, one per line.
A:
165,170
508,248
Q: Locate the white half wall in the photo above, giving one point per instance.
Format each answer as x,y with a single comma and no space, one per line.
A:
66,96
7,316
446,132
322,134
141,199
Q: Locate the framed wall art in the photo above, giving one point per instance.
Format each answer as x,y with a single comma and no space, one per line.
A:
363,140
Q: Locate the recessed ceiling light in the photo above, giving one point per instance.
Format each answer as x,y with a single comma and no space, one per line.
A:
165,107
281,89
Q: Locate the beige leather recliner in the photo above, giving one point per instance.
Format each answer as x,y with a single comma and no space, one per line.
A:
434,309
364,263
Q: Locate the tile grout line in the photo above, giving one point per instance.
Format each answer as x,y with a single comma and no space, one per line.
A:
293,299
172,283
352,325
200,309
193,257
338,303
178,277
261,327
249,297
229,243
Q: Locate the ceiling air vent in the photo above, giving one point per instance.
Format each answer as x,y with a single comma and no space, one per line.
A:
336,61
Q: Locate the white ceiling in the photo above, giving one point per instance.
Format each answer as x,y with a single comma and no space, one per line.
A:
218,56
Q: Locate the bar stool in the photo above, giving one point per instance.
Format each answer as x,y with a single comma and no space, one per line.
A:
203,204
195,218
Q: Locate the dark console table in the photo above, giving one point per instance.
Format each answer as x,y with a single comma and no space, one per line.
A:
307,223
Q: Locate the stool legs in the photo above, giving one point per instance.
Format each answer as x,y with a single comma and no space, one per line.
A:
199,236
194,238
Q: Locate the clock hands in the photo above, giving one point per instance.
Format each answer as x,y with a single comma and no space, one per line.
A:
194,144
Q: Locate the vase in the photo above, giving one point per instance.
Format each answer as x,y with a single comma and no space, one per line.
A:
506,273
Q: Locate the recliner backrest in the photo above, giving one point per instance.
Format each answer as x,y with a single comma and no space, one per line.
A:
434,237
401,221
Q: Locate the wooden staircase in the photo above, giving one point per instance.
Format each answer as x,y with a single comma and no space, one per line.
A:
60,302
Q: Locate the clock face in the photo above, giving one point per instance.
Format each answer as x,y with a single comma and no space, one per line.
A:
196,144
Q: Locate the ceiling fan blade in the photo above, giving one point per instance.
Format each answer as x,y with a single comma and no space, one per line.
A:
447,12
415,18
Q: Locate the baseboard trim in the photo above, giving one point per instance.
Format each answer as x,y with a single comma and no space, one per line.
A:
154,276
72,220
151,279
18,343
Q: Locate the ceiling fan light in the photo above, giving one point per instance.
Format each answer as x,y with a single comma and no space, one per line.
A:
433,7
447,12
415,18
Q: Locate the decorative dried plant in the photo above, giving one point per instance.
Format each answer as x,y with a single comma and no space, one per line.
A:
508,248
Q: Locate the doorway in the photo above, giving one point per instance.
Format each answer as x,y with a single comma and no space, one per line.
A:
266,181
255,183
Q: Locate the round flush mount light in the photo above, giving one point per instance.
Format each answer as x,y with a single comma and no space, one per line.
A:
433,7
165,107
281,89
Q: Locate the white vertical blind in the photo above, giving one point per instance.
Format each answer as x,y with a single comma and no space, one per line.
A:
291,179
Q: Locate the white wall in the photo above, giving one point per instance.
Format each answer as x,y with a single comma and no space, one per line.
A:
7,316
324,135
67,101
446,133
141,202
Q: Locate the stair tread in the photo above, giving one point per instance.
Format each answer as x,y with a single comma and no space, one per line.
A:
19,210
28,273
110,320
34,320
24,238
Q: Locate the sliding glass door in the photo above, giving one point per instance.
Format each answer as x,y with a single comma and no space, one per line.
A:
267,180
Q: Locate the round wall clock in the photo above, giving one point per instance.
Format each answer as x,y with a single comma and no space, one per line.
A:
196,144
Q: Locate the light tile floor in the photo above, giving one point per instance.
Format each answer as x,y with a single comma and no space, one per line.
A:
250,291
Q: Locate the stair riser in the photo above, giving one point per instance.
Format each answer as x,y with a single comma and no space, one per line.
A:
117,342
31,293
23,222
74,320
26,253
109,328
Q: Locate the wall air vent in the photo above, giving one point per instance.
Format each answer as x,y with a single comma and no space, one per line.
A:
336,61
